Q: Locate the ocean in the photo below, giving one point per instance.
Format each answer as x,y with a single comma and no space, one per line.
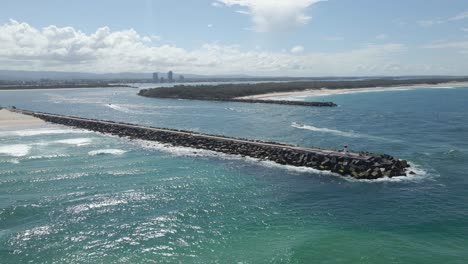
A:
74,196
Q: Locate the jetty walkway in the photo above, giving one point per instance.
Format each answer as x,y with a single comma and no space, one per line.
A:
360,165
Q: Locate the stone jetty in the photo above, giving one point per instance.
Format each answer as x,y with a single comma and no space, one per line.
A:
279,102
361,165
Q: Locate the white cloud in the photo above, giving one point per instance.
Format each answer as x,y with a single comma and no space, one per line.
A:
24,47
381,36
274,15
297,49
450,45
215,4
460,16
433,22
430,23
210,25
465,29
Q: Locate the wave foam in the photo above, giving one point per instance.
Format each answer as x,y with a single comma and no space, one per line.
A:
122,108
48,157
420,175
326,130
76,141
193,152
45,131
17,150
341,133
106,151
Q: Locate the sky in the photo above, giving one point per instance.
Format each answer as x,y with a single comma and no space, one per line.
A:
255,37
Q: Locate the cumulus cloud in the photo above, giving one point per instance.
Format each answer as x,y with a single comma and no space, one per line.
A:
381,36
460,16
24,47
297,49
274,15
449,45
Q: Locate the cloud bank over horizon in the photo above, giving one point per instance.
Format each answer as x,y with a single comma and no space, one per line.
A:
24,47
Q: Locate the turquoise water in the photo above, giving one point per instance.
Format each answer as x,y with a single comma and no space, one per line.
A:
71,196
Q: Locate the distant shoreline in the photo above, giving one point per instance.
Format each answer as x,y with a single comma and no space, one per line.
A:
265,91
326,91
49,87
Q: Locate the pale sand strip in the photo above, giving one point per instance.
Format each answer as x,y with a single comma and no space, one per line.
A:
325,91
10,119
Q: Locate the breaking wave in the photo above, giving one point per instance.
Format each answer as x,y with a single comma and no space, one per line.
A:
106,151
17,150
421,174
349,134
76,141
326,130
45,131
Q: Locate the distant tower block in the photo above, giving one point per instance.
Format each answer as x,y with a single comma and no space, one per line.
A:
155,77
170,76
181,78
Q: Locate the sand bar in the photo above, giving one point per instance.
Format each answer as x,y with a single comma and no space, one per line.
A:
9,119
325,91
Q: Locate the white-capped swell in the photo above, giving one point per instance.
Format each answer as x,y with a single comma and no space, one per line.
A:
123,108
42,131
192,152
325,130
106,151
16,150
76,141
340,133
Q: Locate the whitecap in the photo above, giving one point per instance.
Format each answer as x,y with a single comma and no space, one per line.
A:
47,156
122,108
17,150
420,173
193,152
76,141
45,131
325,130
106,151
341,133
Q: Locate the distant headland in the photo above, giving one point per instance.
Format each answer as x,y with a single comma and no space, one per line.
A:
254,93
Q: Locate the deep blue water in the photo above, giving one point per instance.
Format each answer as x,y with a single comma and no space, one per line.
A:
68,196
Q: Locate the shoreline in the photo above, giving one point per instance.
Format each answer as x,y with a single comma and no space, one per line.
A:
327,92
9,119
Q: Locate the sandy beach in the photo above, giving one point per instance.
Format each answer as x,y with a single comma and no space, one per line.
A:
325,91
10,119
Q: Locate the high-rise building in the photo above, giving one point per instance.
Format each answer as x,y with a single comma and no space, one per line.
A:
155,77
181,78
170,76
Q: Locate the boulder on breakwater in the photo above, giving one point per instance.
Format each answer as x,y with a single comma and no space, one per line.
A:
357,165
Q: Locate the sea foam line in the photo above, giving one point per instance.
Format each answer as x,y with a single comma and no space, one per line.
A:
76,141
326,130
16,150
42,131
193,152
106,151
341,133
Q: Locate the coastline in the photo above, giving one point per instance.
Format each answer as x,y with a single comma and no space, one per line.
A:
9,119
326,92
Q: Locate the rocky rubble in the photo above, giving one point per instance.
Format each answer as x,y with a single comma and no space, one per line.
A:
359,166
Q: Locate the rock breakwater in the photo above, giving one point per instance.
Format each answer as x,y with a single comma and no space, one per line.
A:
357,165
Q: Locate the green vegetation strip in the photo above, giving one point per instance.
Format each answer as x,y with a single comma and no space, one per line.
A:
226,92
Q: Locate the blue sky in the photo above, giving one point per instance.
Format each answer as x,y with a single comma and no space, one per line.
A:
258,37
